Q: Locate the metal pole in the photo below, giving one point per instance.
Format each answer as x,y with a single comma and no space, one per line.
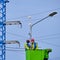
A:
50,15
40,21
30,27
30,30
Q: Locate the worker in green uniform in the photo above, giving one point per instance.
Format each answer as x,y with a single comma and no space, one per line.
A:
27,45
34,45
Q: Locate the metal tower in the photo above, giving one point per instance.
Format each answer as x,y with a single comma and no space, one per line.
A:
3,24
2,29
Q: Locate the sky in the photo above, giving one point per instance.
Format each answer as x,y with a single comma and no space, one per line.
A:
45,33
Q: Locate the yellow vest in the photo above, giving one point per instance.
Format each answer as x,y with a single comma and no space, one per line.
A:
32,46
26,47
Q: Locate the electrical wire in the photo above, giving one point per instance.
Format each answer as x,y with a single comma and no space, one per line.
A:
45,11
55,34
18,49
37,13
51,44
50,38
46,38
16,34
41,37
15,50
22,49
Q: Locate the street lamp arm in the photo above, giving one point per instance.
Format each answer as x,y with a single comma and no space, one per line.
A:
31,25
50,15
39,21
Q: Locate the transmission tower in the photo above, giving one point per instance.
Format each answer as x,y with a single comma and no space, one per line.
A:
2,29
3,24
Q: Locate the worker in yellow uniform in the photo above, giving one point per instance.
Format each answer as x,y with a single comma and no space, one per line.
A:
27,45
34,45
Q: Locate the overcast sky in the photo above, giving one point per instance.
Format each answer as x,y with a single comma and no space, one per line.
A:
46,33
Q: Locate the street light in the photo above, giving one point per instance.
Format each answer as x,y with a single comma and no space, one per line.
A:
13,42
31,25
11,23
50,15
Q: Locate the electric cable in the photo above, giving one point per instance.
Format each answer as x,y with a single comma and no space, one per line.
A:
16,34
51,44
15,50
37,13
55,34
41,37
46,38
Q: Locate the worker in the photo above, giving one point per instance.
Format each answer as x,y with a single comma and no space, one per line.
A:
27,45
34,45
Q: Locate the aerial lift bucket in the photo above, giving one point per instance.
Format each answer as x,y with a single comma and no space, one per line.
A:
39,54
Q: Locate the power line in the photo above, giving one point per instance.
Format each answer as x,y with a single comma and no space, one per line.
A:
45,11
17,34
55,34
22,49
41,37
49,38
37,13
51,44
14,50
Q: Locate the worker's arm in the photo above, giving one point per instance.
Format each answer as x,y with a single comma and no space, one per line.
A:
26,47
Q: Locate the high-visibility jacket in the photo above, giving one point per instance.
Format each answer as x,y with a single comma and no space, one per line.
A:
27,46
34,46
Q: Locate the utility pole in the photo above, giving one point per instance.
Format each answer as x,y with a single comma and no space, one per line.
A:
3,24
31,25
30,30
3,29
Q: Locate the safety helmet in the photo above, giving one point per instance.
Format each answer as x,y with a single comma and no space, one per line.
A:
32,40
27,41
